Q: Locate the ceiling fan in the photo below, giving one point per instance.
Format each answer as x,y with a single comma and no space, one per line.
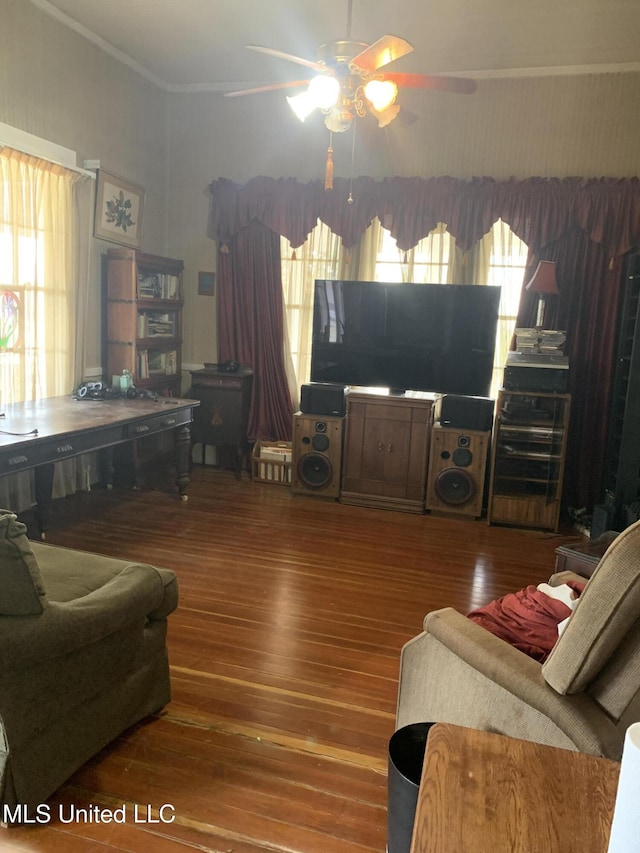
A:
350,80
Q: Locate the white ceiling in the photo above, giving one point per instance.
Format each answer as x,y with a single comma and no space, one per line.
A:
187,45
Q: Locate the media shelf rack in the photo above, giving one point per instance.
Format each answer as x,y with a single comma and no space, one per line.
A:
528,459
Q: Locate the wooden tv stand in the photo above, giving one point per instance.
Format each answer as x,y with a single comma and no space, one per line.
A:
386,447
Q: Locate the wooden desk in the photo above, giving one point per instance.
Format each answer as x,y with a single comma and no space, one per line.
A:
488,793
39,433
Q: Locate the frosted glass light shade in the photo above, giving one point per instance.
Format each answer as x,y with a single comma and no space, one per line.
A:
381,93
302,104
387,115
325,91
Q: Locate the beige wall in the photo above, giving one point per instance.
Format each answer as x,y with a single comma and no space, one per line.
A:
585,126
55,84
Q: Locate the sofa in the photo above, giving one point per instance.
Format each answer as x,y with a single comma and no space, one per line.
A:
82,657
583,696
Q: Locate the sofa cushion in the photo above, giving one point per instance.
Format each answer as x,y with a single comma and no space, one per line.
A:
22,590
605,620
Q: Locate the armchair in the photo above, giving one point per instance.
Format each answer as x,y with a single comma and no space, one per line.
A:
82,657
583,697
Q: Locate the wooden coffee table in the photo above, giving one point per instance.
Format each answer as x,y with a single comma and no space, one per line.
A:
488,793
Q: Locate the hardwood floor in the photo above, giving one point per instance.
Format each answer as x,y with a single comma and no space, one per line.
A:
284,657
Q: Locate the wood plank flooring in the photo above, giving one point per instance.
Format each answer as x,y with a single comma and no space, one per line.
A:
284,658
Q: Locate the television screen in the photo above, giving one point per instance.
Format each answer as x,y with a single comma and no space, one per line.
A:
419,337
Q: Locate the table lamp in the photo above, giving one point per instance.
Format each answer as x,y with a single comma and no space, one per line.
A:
544,283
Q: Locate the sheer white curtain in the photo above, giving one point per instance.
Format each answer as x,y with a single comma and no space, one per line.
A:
321,256
499,259
44,260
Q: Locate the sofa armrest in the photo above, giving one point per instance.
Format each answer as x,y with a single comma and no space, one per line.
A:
522,677
64,627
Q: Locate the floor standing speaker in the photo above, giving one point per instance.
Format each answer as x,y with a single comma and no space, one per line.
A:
457,468
317,455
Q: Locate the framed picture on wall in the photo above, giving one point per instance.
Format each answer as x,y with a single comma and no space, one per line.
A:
206,284
118,211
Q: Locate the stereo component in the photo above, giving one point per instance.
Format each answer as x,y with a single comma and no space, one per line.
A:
317,455
457,470
323,398
542,379
454,410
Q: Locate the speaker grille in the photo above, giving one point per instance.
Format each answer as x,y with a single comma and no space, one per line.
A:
315,470
455,486
320,442
462,456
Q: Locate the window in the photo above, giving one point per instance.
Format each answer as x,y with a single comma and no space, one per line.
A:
44,216
427,262
507,265
37,276
321,256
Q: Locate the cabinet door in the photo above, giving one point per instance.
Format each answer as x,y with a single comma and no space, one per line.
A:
221,419
385,454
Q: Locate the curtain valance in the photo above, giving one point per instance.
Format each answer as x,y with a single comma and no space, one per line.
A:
538,210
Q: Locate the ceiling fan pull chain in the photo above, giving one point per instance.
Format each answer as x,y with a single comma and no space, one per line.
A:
328,172
353,159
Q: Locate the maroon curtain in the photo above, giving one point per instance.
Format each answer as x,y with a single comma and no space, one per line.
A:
590,286
250,325
586,226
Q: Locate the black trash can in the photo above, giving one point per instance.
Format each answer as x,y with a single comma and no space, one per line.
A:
406,756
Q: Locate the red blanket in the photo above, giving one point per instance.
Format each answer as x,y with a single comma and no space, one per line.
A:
527,620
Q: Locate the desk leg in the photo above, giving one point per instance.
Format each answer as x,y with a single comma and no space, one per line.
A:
43,476
182,439
107,468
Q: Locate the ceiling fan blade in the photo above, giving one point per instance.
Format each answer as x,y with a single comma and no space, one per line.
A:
457,85
268,88
317,66
387,49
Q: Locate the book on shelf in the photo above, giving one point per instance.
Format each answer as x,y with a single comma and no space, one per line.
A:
143,364
155,324
548,341
158,286
158,363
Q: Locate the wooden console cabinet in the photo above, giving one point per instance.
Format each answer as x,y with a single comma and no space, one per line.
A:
385,454
222,417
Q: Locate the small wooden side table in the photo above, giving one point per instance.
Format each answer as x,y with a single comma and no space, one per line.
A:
583,558
488,793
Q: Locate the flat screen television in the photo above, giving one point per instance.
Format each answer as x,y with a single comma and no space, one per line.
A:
418,337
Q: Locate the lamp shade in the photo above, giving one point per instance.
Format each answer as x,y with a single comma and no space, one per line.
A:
544,279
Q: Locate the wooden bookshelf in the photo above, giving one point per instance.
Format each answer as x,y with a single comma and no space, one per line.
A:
144,319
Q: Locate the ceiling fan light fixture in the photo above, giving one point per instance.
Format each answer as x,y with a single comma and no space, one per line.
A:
325,91
381,93
387,115
339,120
302,104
